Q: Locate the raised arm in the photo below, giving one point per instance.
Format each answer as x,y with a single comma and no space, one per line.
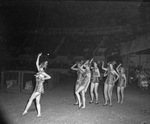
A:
105,74
103,66
82,67
117,69
46,76
91,60
37,61
73,67
116,75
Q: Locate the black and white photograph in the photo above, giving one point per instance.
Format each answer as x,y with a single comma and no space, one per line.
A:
74,62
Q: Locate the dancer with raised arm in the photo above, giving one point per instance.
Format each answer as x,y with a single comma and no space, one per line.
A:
79,76
109,82
94,83
122,82
41,76
84,84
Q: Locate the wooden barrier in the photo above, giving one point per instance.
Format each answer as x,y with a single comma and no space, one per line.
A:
27,81
24,81
10,81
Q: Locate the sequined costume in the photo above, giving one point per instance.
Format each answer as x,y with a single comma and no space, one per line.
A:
80,77
121,81
39,83
95,75
87,78
110,78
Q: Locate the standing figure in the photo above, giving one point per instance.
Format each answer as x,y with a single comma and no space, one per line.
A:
79,76
109,82
122,82
94,83
41,76
142,80
84,84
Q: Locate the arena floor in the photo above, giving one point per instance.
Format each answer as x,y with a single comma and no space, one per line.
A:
57,108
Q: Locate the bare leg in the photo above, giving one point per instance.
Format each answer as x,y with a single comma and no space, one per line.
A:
38,98
110,89
118,94
83,98
78,95
106,93
122,94
77,102
33,96
91,92
96,92
87,85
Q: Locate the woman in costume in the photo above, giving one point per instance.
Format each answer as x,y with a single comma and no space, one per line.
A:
109,82
94,83
79,76
41,76
84,84
122,82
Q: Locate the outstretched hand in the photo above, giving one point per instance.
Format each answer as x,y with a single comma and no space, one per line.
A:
99,62
91,60
40,54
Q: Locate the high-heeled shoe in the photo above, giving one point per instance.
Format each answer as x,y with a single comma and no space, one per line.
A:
76,104
83,107
96,103
110,105
80,106
121,102
24,113
90,102
39,115
105,104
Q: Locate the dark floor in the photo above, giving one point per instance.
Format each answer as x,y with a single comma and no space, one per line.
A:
57,108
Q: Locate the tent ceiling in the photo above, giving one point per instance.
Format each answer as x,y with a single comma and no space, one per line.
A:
87,14
53,20
140,44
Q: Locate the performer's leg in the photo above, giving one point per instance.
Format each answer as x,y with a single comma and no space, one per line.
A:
38,98
106,93
118,93
96,92
33,96
78,95
110,89
122,94
83,98
91,92
77,102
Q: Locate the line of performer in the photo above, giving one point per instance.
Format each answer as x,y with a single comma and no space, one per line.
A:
88,74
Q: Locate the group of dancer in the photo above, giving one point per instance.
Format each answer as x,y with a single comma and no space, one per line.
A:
88,74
